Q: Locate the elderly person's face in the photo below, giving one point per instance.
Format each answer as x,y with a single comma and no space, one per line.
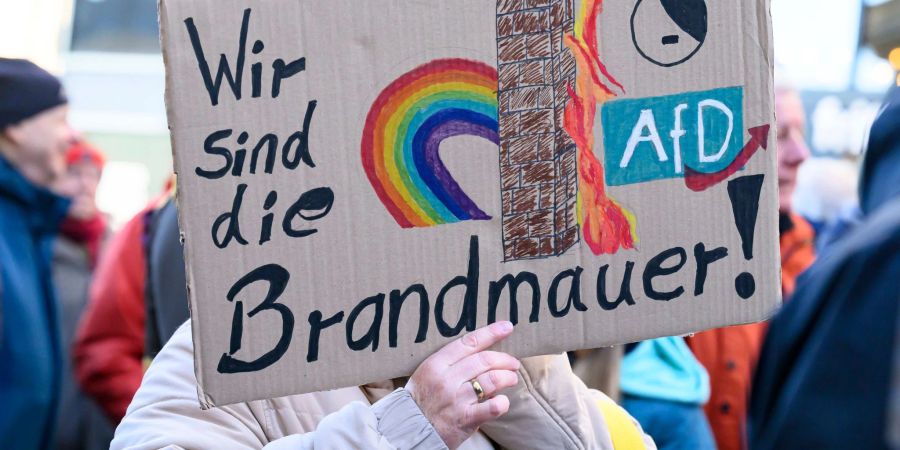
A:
40,145
792,148
80,183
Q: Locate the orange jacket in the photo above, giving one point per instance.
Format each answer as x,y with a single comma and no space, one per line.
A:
730,354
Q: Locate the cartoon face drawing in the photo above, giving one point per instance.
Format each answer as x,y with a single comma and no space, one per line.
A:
669,32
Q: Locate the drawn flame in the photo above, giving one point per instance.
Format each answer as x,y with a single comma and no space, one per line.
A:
606,226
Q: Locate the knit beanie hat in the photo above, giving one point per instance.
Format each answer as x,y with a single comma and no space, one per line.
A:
26,90
82,151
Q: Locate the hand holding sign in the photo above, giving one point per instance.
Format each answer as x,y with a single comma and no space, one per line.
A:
442,385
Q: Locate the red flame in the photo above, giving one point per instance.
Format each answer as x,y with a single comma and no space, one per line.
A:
606,226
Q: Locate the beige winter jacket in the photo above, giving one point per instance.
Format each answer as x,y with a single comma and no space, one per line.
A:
549,409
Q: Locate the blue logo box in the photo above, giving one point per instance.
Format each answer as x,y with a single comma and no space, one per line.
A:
654,138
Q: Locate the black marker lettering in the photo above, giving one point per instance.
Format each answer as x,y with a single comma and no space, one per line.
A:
495,288
470,299
256,70
271,141
302,138
655,269
624,290
265,232
316,326
318,201
704,259
396,303
224,70
210,149
574,297
277,277
232,217
371,336
284,71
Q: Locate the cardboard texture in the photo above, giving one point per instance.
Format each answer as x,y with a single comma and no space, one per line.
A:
361,182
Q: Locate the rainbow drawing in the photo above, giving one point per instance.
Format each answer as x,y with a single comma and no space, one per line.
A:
404,130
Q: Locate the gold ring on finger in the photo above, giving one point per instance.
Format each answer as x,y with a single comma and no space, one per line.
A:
479,391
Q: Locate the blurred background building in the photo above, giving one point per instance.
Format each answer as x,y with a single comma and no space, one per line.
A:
107,51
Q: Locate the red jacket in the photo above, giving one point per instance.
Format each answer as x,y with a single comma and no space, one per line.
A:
730,354
109,345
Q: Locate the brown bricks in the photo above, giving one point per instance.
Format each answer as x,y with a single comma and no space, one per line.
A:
538,169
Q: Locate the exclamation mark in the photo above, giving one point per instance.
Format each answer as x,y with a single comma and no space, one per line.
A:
744,194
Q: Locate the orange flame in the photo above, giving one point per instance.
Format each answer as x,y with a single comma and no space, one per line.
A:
606,226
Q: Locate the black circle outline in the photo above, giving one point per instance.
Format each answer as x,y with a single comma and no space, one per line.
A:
638,47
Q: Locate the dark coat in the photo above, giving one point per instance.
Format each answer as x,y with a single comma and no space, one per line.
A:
82,425
823,379
166,300
30,354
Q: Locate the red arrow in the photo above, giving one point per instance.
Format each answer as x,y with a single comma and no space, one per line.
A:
699,181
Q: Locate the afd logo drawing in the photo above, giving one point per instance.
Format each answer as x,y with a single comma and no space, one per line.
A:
657,138
669,32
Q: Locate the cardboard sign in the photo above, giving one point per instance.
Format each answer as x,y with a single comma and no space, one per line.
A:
361,182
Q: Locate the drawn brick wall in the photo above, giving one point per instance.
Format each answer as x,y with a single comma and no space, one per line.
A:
537,158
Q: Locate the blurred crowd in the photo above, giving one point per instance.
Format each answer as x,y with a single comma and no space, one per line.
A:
85,310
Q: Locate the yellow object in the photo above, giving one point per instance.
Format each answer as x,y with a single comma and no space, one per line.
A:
894,58
622,430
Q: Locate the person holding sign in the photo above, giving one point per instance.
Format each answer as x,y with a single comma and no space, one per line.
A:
462,396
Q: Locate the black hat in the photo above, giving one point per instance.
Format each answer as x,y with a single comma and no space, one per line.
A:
26,90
